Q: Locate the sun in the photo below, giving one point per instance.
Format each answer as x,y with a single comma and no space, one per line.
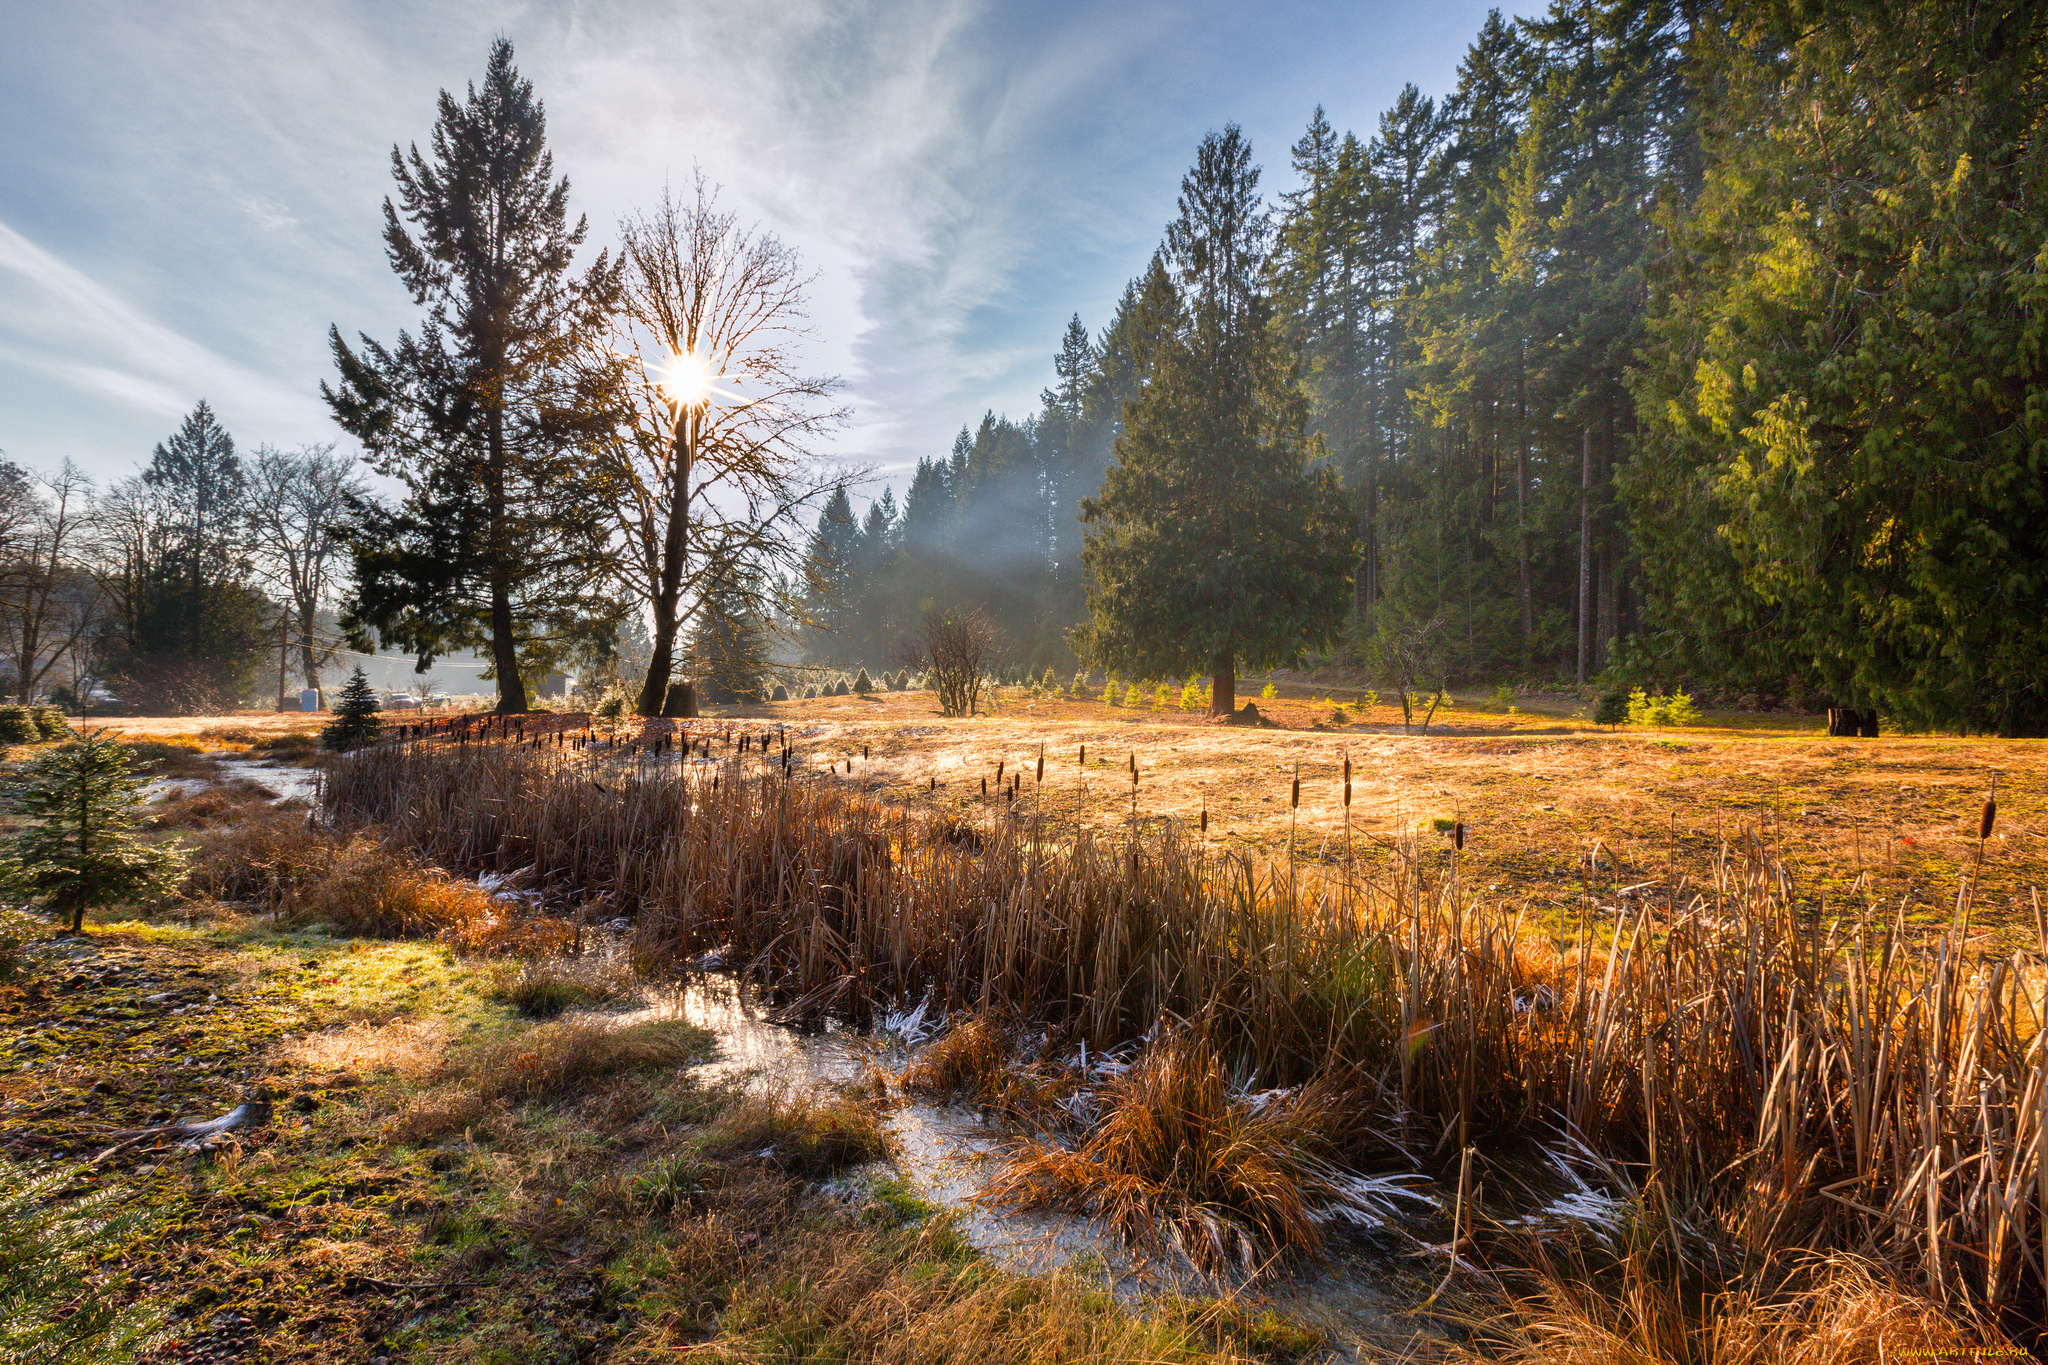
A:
685,379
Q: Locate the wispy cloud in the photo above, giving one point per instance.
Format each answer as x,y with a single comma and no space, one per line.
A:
66,327
190,196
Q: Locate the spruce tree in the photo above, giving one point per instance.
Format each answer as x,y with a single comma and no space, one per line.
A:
490,415
79,849
355,720
1213,542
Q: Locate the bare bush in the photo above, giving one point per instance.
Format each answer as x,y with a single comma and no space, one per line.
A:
955,648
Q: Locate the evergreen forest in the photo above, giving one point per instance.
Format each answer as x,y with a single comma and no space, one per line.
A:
1694,343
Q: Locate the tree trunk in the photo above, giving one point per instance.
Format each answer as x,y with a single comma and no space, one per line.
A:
1223,688
668,593
1585,550
504,647
308,660
1522,505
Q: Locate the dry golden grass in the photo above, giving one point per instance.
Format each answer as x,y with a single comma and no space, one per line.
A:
407,1048
543,987
1180,1162
557,1061
809,1132
1558,811
1837,1310
1795,1082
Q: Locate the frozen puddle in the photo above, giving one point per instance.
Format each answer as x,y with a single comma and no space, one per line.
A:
945,1152
284,784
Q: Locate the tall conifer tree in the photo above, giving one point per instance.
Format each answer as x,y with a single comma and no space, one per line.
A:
1212,542
488,415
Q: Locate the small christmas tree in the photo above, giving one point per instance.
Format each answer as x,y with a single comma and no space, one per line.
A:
79,849
862,684
355,720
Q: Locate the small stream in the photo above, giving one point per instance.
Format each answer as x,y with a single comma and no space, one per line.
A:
1359,1300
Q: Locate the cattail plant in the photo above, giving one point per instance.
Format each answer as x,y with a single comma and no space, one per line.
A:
1790,1090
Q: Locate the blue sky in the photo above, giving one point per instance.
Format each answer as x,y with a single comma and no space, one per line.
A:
190,194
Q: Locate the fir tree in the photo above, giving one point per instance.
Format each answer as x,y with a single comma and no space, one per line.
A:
80,849
489,415
355,720
1212,541
729,640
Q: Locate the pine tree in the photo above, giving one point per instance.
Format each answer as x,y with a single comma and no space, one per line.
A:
80,849
187,630
831,581
355,720
489,416
1212,541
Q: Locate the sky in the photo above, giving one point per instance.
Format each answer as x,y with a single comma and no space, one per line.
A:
191,194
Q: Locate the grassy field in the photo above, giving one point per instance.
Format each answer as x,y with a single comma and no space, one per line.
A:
1557,811
451,1172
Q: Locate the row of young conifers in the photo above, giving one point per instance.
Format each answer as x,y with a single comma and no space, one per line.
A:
1754,1083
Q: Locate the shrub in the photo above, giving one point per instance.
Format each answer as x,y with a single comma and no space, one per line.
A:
842,689
1134,697
18,726
1675,709
1050,683
780,693
1268,692
1613,708
1193,696
614,705
1079,687
862,685
51,724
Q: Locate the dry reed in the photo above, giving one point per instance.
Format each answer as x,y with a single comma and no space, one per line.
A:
1789,1081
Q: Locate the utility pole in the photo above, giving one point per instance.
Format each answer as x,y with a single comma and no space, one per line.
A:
284,619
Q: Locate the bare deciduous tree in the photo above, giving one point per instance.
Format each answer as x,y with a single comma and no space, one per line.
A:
49,603
955,647
296,499
717,466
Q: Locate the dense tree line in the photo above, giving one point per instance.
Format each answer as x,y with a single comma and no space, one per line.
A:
1678,342
171,589
1688,342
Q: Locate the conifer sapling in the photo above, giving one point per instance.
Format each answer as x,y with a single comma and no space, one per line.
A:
355,720
79,848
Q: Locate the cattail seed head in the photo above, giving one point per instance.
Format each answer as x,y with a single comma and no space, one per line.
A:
1347,770
1041,765
1458,834
1294,801
1205,819
999,770
1987,819
984,786
1347,795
